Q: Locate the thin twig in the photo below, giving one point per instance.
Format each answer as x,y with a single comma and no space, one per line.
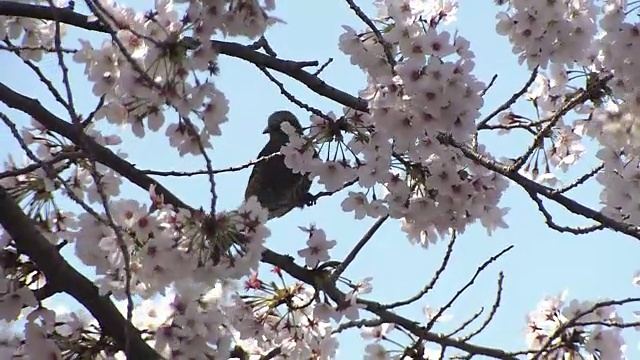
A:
93,113
455,297
434,279
73,155
65,70
356,249
581,180
512,100
208,162
205,172
385,45
529,126
450,303
291,97
324,66
358,323
262,43
552,224
466,323
43,79
18,48
329,193
492,313
493,80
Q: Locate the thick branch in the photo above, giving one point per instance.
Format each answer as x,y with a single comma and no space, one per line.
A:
64,15
291,69
63,276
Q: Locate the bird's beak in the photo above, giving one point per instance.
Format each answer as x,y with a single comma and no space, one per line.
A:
266,130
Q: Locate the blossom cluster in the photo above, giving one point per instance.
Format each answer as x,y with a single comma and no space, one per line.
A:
544,32
145,70
420,86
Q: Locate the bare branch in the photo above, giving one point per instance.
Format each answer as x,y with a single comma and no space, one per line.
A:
458,293
529,126
262,43
329,193
209,164
65,155
512,100
322,67
494,309
19,48
466,323
57,39
581,180
291,97
493,80
434,279
205,172
44,79
549,220
357,323
356,249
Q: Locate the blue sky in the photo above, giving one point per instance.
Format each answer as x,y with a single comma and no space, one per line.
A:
542,262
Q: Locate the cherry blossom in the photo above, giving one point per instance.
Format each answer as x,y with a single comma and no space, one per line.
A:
318,247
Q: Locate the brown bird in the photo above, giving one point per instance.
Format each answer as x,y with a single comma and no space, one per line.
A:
277,188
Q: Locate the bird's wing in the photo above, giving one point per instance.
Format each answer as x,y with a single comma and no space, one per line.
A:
257,176
277,188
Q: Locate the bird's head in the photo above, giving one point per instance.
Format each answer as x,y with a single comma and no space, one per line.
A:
277,118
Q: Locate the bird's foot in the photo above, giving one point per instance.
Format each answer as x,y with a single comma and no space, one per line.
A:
309,200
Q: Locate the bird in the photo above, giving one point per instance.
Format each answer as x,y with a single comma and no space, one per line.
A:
277,187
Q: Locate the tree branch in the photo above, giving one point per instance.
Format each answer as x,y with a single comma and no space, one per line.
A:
325,284
62,156
532,186
512,100
354,252
428,287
